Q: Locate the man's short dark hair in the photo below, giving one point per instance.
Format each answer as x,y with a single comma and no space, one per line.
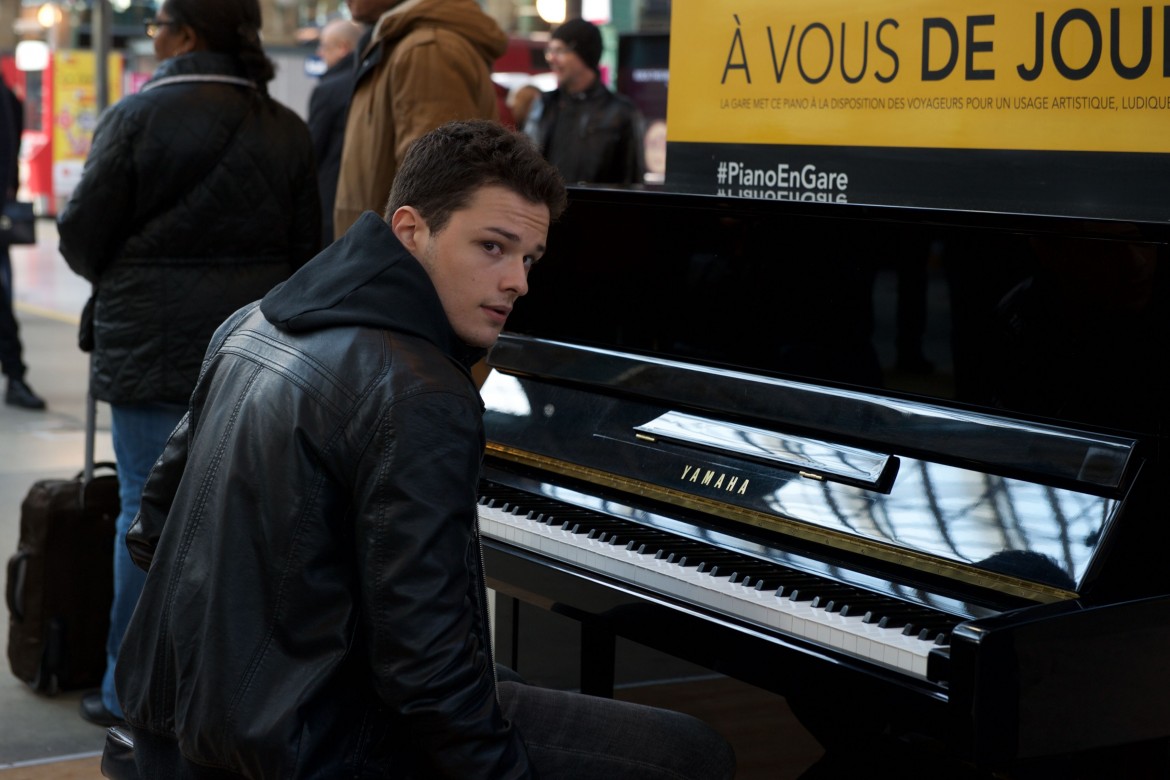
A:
446,167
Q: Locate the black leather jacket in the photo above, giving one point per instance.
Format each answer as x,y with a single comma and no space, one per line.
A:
315,604
198,195
593,136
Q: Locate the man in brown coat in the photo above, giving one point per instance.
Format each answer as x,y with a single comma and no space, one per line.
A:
424,63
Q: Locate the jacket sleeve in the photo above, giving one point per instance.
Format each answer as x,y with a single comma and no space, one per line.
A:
419,563
157,495
93,225
634,154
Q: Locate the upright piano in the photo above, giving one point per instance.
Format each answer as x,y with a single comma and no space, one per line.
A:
914,455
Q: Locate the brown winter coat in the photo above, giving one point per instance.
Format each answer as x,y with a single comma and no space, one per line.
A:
427,62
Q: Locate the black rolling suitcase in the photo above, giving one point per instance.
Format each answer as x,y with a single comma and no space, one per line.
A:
60,581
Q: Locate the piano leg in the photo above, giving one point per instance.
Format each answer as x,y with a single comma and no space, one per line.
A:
514,661
598,648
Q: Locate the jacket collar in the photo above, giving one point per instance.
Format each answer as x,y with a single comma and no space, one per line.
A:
202,63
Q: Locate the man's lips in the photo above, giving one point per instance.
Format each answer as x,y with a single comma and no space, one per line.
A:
498,313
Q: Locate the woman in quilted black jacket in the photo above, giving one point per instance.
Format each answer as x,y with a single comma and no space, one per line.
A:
198,195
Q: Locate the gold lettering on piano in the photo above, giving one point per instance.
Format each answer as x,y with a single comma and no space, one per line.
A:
718,480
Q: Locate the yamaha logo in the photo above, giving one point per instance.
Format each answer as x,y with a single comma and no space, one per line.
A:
715,480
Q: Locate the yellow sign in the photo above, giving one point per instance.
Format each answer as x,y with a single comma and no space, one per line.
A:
75,112
1089,76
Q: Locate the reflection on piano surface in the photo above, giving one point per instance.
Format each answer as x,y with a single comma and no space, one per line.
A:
779,461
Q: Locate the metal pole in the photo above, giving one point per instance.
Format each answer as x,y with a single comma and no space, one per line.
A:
100,27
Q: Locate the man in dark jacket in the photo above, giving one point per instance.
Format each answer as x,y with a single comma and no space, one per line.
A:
589,133
315,603
328,105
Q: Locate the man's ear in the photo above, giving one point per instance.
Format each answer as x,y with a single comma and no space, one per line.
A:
410,227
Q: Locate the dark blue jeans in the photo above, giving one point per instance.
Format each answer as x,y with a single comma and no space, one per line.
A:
140,433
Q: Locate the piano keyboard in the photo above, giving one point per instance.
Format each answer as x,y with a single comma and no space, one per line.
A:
856,622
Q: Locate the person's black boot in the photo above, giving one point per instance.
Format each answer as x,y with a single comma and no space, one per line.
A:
94,710
20,394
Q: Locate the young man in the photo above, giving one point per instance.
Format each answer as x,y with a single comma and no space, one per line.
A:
315,604
589,133
425,62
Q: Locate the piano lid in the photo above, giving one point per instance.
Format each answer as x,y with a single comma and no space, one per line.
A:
1045,318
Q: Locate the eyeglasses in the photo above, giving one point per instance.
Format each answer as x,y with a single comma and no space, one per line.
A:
556,51
152,25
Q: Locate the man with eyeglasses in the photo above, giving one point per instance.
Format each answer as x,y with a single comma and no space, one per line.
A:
589,133
423,63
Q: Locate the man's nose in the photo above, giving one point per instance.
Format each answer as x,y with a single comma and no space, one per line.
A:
516,277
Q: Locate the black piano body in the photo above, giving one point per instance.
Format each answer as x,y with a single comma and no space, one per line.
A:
928,447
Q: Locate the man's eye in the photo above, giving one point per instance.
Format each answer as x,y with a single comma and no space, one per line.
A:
530,261
492,247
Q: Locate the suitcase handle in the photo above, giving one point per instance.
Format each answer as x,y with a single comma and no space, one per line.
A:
103,464
86,481
14,590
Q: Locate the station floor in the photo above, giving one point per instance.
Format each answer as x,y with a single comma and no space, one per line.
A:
43,738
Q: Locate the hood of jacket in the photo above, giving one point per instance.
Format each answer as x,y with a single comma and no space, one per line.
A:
366,278
464,17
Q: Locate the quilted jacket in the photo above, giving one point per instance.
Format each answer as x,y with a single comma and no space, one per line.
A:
198,195
427,62
314,604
